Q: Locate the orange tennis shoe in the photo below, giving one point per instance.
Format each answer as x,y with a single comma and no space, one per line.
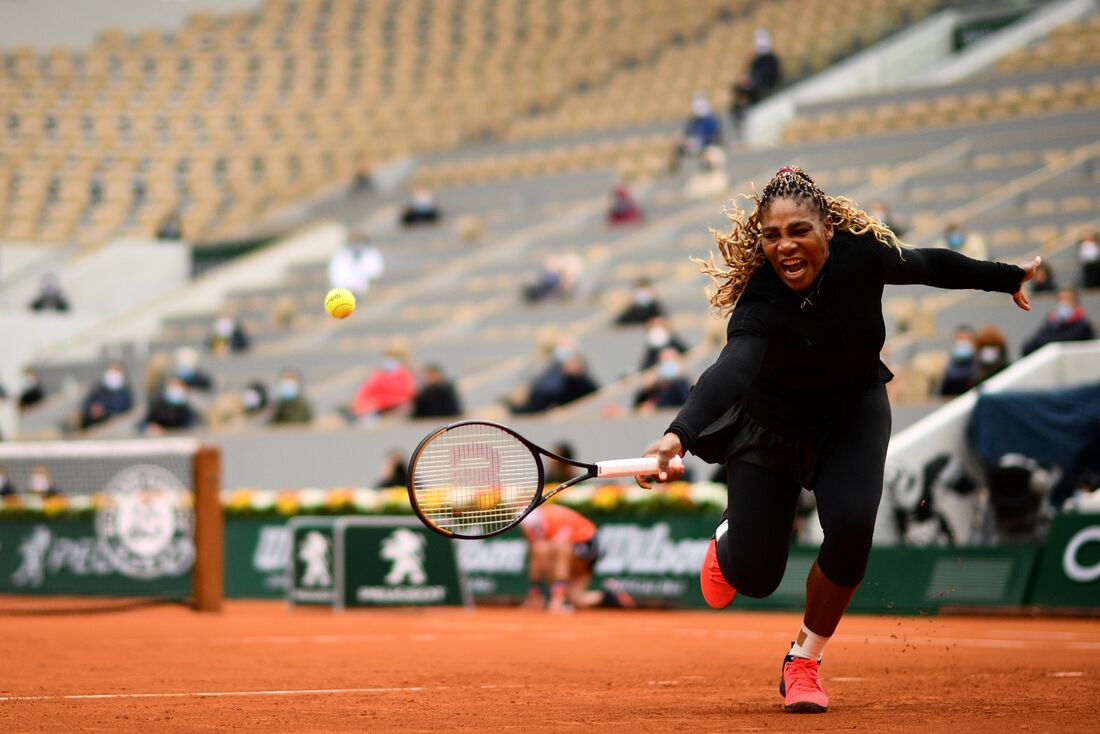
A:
801,688
717,592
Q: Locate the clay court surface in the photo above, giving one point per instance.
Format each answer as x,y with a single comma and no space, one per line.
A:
259,666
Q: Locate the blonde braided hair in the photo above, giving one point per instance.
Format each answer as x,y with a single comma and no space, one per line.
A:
742,248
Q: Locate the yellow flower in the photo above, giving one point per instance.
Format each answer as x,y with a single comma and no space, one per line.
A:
240,500
287,504
606,497
54,506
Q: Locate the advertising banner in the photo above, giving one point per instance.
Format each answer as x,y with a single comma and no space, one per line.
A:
311,560
395,561
1069,572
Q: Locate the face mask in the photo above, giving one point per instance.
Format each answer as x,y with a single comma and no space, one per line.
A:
175,396
643,298
962,351
562,354
250,399
989,355
113,380
28,381
223,327
39,483
288,389
1062,313
390,366
185,372
668,370
657,337
955,240
1089,252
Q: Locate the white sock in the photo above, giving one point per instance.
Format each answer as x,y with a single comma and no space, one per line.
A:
812,648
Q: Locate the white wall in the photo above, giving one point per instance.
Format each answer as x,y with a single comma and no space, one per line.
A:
45,23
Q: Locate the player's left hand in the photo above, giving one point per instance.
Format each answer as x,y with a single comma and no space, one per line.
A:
1029,272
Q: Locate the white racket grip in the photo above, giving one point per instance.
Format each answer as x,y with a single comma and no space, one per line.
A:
631,467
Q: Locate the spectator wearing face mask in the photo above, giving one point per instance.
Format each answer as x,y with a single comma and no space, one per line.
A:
421,210
643,305
41,482
564,380
957,238
254,397
992,352
50,296
31,390
1068,322
880,211
6,487
172,409
701,130
187,369
110,396
227,335
961,372
291,405
666,387
658,336
389,388
1088,256
355,264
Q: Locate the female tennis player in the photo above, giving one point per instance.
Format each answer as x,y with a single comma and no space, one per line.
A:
797,397
563,554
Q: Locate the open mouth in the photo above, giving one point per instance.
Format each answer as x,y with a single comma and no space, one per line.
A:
793,267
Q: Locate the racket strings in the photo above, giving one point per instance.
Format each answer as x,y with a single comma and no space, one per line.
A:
474,479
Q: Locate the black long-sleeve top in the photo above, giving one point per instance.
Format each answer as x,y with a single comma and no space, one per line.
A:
794,359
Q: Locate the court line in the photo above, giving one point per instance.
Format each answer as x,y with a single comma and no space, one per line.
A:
218,694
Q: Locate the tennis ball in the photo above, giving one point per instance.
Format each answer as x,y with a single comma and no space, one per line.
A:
340,303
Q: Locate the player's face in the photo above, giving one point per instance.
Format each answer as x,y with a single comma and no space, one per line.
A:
796,241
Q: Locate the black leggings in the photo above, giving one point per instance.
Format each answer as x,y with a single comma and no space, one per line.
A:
848,486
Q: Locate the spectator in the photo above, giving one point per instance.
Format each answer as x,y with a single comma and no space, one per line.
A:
389,388
171,410
110,396
992,351
355,264
763,75
961,372
702,130
436,397
31,390
559,471
41,482
254,397
712,179
50,297
955,237
666,387
291,404
187,369
171,227
658,336
643,305
6,487
227,335
363,180
1044,281
623,208
1068,322
1088,254
559,277
394,471
421,210
565,380
880,210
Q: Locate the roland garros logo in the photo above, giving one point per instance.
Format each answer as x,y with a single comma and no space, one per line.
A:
145,527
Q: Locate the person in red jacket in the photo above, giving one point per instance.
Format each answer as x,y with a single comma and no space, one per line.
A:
389,388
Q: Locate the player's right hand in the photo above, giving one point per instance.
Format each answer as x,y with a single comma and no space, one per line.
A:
664,449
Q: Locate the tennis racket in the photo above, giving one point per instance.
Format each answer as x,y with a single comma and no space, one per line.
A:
474,479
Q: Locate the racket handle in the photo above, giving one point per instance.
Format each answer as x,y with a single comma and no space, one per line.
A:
631,467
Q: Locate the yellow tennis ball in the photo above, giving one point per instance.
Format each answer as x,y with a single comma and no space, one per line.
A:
340,303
